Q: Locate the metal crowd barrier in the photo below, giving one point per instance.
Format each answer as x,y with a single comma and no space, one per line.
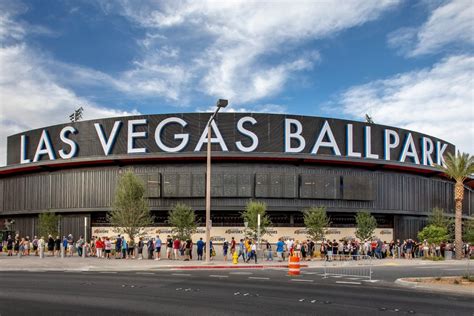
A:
348,265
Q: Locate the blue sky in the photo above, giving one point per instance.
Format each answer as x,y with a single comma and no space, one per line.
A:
406,63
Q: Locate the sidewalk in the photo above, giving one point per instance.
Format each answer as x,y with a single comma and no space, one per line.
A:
30,263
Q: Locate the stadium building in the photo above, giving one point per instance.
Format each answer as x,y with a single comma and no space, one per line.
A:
289,162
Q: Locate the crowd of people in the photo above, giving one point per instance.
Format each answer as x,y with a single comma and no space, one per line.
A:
245,249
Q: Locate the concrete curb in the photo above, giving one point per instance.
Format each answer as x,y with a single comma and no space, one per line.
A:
432,288
161,268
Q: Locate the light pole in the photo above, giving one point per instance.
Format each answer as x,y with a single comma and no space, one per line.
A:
221,103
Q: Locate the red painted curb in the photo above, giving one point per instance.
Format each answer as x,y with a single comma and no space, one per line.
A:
234,267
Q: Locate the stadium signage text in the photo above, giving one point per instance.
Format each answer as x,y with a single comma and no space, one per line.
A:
245,133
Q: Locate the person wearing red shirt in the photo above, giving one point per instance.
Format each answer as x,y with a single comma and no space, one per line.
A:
99,246
176,246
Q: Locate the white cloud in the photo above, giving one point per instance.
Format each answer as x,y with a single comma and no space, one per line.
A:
451,23
30,95
438,101
240,35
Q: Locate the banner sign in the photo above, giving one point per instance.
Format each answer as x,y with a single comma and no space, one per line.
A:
237,134
220,234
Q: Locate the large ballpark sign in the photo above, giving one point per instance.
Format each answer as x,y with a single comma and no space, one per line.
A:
233,134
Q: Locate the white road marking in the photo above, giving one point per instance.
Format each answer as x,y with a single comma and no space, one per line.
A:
336,276
218,276
259,278
301,280
309,272
370,281
108,272
181,274
347,282
357,279
427,267
145,273
241,273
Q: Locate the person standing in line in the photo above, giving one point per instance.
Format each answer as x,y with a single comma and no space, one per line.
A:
99,246
169,247
150,249
200,248
140,248
187,250
241,250
70,245
10,245
268,247
51,245
118,247
253,251
80,246
108,247
225,248
16,245
157,248
57,246
176,246
232,246
191,249
41,246
35,246
124,248
280,247
131,249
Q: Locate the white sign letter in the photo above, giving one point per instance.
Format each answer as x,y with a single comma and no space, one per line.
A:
326,130
388,145
246,132
132,135
427,148
218,139
23,143
350,142
297,135
184,137
409,150
440,153
108,144
64,139
368,144
44,147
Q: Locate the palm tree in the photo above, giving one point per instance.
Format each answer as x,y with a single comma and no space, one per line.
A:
458,167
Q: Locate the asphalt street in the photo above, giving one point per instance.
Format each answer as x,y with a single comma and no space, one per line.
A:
223,292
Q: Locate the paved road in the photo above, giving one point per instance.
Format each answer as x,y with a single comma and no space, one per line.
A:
225,292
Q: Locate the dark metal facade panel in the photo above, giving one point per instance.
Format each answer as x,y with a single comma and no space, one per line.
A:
90,189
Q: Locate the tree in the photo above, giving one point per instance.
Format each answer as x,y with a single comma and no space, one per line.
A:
366,225
433,234
130,213
316,221
469,231
48,224
250,216
458,167
439,219
183,221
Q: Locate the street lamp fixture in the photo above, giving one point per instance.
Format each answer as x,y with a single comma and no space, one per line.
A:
221,103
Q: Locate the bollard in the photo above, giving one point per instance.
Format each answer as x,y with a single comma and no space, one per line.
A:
41,252
235,257
294,266
62,251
